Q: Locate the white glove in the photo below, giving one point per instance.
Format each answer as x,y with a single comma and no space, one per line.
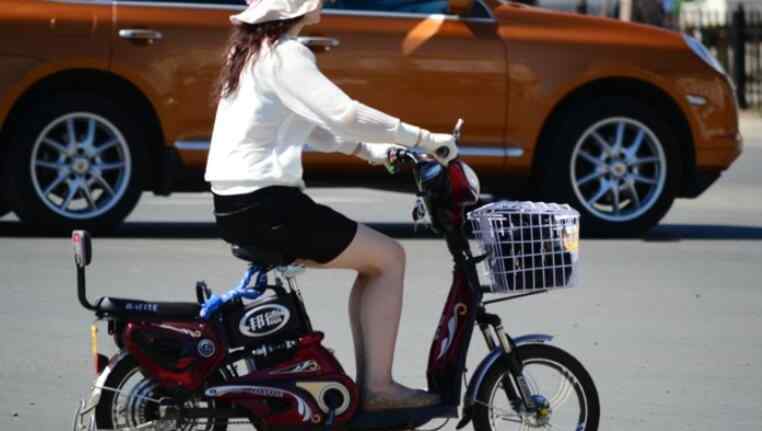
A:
431,142
375,154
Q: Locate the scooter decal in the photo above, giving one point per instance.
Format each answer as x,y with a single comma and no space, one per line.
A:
189,332
264,320
303,367
262,391
452,325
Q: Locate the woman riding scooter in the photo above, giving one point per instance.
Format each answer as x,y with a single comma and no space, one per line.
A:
273,101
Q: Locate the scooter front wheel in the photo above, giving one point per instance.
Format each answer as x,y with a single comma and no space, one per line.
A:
561,389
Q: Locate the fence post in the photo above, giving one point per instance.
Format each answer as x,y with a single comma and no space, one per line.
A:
739,55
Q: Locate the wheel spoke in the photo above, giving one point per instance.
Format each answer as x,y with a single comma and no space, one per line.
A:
48,165
602,190
54,184
632,150
563,393
619,137
633,193
590,177
58,147
87,193
642,179
103,183
90,135
71,132
73,190
644,161
592,159
106,146
615,192
602,142
110,166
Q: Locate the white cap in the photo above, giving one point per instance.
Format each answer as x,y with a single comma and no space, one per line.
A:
260,11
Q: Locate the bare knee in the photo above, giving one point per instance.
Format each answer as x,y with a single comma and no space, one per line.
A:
389,259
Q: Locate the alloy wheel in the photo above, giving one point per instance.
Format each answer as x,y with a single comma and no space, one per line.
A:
80,166
618,169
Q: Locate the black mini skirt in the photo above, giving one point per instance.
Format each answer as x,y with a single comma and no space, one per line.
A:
286,220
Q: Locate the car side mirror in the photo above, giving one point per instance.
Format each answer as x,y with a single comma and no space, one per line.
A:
83,254
460,7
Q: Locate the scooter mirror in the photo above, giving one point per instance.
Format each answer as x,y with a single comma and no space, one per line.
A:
457,132
82,247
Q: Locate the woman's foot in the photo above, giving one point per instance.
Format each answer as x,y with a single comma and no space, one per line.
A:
397,396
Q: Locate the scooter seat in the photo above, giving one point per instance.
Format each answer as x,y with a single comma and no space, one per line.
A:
400,418
259,256
136,308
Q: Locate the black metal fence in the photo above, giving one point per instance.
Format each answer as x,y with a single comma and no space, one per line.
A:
735,39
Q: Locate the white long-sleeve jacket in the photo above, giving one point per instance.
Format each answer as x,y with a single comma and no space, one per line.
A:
283,103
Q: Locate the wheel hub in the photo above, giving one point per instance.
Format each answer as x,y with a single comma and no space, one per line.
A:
80,165
618,169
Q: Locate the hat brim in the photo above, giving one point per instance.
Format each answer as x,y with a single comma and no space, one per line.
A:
274,10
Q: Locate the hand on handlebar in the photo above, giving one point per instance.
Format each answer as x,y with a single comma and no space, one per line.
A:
442,146
376,154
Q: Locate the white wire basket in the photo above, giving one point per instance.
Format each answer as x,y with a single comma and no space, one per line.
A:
529,246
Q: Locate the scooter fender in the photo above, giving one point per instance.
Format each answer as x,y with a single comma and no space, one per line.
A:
486,364
95,395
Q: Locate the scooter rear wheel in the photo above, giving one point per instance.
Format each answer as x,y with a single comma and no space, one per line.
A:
557,381
130,401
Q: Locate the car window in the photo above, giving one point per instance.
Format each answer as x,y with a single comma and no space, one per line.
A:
403,6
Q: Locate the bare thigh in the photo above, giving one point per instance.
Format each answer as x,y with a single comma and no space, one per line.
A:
370,252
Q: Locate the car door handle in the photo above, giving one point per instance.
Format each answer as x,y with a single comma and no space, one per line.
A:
320,42
140,34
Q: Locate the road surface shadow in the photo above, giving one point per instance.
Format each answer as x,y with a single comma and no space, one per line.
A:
205,230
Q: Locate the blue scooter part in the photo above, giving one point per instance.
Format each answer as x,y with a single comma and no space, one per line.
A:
243,290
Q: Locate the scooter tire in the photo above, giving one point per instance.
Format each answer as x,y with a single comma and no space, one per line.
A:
122,372
547,355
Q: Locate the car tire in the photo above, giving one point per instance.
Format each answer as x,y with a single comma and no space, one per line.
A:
615,161
77,161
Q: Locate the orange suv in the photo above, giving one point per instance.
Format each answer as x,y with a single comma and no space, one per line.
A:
101,100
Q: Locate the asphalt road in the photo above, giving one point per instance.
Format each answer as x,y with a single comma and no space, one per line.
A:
669,326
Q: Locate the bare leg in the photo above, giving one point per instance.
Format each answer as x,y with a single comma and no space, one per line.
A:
375,306
357,333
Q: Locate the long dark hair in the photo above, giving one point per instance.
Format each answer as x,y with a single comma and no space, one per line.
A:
245,43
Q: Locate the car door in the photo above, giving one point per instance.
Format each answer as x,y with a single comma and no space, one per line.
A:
173,51
427,68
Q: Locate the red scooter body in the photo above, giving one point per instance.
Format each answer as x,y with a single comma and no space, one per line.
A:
184,355
176,354
293,392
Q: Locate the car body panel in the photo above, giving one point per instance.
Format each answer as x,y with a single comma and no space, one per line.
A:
417,68
505,75
179,70
26,51
578,49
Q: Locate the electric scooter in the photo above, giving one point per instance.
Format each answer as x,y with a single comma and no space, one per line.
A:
252,356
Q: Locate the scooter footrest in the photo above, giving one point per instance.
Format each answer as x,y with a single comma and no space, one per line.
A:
400,418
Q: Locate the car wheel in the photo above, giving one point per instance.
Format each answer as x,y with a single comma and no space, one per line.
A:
76,161
616,161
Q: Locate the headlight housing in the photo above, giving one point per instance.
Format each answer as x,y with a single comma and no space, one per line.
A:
700,50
